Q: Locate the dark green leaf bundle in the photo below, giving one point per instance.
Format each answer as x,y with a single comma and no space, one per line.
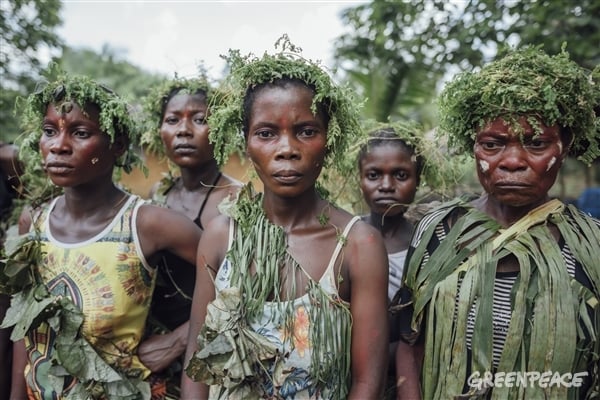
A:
529,83
115,119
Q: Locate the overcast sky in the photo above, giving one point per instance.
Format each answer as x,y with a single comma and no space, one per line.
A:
173,36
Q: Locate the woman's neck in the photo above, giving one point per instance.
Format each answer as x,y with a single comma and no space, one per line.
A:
82,202
194,179
506,215
291,213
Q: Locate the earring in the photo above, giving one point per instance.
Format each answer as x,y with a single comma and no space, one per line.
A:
94,160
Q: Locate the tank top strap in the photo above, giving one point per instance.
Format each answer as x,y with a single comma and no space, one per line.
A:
210,189
328,278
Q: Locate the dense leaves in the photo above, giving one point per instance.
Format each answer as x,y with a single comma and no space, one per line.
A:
396,52
27,30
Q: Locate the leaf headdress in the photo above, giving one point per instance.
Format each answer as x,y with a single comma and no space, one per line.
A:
526,82
249,71
156,101
115,119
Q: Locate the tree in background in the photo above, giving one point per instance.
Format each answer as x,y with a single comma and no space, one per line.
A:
111,69
27,37
397,53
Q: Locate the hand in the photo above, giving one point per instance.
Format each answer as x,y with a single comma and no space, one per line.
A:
158,352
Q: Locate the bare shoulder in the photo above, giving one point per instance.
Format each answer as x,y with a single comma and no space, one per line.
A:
218,227
214,242
155,220
152,216
361,232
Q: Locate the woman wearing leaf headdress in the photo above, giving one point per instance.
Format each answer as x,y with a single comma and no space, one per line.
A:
300,303
395,160
502,292
177,113
83,277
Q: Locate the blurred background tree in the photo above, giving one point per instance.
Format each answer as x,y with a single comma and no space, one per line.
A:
27,40
397,54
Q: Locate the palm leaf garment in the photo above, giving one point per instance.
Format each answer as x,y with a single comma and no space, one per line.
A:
555,319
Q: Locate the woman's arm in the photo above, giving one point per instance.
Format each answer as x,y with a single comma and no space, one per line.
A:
211,252
158,352
18,389
368,304
408,364
163,230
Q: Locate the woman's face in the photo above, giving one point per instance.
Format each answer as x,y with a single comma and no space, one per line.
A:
286,142
518,172
388,179
184,130
74,149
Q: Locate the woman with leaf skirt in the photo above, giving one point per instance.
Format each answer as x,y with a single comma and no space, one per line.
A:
501,293
82,277
295,306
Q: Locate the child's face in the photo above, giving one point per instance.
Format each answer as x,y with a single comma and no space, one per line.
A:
74,149
388,179
286,141
184,131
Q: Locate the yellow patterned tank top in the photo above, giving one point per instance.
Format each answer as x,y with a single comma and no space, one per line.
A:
109,279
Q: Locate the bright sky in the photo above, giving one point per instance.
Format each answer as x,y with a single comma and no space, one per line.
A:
174,36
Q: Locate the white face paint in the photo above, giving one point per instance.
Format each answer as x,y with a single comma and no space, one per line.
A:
484,165
551,163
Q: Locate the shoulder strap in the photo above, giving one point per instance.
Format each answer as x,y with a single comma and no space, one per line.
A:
210,189
341,242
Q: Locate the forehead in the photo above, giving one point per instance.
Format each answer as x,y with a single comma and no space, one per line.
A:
391,155
71,110
287,91
518,128
182,100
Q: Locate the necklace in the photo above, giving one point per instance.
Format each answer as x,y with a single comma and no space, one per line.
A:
121,201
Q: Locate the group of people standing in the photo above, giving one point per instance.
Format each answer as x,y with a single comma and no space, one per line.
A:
211,289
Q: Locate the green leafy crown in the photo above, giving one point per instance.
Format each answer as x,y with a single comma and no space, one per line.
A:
155,102
248,71
115,118
527,82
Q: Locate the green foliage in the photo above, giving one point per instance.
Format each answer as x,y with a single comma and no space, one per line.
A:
396,52
530,83
247,71
109,68
27,27
155,102
115,118
386,64
32,305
